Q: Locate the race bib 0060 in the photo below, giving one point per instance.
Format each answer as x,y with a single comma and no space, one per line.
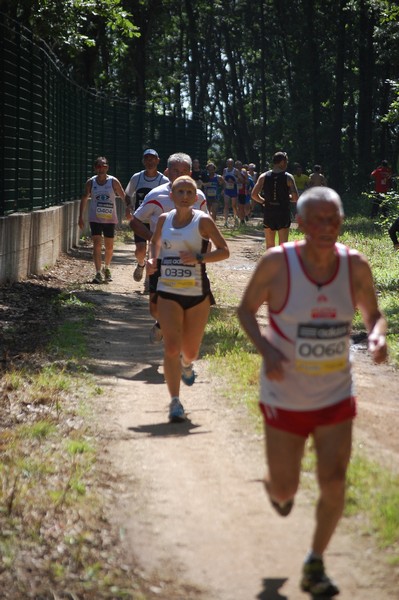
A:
322,348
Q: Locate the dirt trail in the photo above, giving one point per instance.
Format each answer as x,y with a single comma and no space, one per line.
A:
192,510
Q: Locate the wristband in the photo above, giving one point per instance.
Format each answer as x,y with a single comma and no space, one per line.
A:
199,257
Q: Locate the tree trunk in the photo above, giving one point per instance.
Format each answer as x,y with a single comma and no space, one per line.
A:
366,75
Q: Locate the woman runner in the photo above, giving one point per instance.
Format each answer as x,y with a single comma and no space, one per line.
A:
179,251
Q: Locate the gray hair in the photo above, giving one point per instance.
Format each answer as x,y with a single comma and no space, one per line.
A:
180,157
315,194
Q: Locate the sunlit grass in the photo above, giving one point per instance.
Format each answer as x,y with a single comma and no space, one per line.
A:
363,235
69,340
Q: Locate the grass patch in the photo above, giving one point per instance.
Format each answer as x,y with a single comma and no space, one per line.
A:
365,236
69,340
375,492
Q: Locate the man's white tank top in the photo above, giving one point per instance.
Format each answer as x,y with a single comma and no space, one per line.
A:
102,208
175,277
312,330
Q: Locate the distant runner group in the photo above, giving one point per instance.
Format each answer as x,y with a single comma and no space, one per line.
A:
311,289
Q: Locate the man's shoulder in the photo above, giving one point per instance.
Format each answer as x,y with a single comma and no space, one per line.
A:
163,179
274,259
154,200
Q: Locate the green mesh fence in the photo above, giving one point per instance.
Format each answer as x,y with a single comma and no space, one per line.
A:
51,130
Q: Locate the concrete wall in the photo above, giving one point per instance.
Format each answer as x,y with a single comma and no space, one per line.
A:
30,242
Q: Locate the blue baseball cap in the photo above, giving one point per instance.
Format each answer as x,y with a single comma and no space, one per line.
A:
150,151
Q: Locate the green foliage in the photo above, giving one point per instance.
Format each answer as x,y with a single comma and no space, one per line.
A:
392,116
88,36
257,93
79,447
39,430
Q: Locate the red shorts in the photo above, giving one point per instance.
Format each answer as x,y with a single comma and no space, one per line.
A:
304,422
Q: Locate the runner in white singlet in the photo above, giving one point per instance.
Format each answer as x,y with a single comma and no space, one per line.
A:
179,252
311,289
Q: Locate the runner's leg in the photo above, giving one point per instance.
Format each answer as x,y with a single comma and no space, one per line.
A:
195,320
234,207
97,249
333,446
171,317
283,235
226,208
284,453
109,250
270,237
140,252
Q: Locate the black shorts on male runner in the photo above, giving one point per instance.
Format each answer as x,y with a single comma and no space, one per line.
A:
276,220
107,229
138,238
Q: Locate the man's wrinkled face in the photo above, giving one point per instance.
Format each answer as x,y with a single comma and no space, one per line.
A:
321,223
176,169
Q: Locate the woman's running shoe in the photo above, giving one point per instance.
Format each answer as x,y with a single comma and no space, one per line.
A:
176,411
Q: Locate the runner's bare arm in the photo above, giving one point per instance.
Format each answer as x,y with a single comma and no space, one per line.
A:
259,291
119,191
139,228
83,202
257,189
366,301
155,245
209,231
293,189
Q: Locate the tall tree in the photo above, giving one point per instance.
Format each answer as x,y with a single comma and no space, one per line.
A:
366,75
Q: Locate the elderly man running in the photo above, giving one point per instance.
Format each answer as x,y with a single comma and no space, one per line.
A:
312,288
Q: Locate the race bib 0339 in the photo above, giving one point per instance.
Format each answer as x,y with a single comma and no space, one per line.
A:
176,275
